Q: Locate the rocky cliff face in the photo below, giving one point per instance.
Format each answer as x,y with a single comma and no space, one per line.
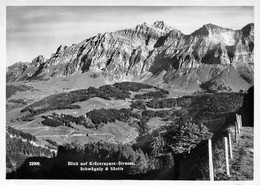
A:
154,53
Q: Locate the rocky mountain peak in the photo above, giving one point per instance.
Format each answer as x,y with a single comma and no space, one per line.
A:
61,48
212,26
210,29
216,34
248,30
38,60
158,26
18,65
141,26
162,26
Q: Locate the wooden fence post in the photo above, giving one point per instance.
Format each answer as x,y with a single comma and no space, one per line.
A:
211,172
236,132
238,128
230,146
237,120
241,124
226,155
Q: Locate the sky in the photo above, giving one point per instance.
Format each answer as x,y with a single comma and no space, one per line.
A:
39,30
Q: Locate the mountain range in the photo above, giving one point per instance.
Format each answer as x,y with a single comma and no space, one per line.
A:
211,58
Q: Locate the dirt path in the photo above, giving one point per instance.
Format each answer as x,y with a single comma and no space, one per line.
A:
69,135
25,124
46,128
111,139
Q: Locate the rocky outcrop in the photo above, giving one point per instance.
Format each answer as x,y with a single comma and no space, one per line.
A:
15,71
26,71
148,52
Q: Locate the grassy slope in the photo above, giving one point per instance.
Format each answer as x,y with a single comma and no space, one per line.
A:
241,166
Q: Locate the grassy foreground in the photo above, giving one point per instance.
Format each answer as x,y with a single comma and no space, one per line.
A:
242,164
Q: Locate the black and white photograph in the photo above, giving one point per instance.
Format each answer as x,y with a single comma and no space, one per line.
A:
129,92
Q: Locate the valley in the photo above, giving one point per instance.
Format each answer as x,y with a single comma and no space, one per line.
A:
126,113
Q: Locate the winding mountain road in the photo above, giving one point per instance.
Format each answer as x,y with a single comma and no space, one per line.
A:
69,135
